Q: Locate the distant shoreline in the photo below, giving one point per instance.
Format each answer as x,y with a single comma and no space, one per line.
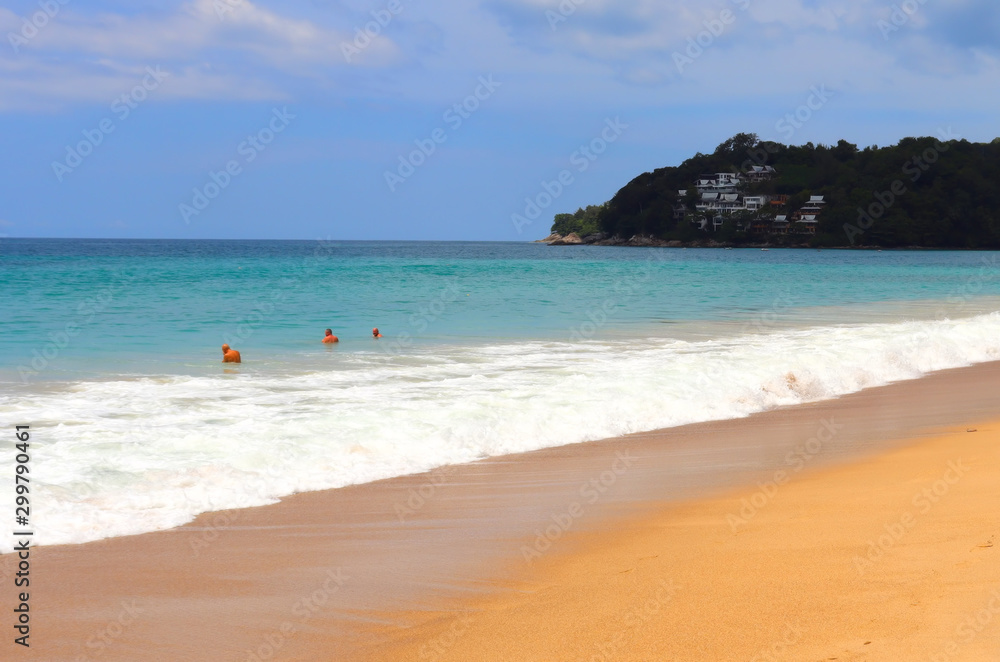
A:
653,242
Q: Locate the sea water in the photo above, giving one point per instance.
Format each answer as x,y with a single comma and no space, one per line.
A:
110,351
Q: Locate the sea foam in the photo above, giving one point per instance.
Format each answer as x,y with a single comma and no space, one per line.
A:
125,456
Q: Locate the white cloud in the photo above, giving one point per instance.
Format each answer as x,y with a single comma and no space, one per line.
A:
193,28
605,49
248,53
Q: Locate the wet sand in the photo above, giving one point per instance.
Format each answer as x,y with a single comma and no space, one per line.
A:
549,555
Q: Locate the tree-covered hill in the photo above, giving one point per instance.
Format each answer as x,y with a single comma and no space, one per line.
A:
927,192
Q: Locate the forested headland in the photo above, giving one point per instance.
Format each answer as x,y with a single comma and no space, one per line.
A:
930,192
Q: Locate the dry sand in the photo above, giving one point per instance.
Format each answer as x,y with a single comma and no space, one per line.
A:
642,561
894,558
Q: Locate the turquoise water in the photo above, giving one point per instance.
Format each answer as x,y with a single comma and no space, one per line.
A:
110,350
146,307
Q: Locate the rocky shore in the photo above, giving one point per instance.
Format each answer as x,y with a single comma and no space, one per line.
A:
601,239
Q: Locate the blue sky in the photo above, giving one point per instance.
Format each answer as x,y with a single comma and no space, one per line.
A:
231,118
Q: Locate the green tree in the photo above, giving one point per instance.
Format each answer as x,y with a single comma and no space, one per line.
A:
951,198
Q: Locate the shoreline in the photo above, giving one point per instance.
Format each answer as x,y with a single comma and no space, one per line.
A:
329,564
639,241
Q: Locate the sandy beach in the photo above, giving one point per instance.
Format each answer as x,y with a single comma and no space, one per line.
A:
861,528
893,558
741,403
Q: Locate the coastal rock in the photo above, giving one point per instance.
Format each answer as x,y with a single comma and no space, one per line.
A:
555,236
572,239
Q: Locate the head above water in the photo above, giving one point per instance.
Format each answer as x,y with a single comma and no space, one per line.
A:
329,332
225,348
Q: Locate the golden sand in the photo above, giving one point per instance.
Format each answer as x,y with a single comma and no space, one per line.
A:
861,538
895,558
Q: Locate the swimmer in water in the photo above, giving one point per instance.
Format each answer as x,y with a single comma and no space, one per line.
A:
330,337
375,333
230,355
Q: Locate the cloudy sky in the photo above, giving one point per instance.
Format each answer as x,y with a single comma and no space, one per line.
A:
396,119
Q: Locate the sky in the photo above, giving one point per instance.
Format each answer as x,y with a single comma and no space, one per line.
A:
446,120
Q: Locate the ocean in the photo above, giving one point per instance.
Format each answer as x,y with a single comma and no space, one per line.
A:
110,351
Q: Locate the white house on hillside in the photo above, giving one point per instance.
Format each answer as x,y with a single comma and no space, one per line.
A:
814,206
720,182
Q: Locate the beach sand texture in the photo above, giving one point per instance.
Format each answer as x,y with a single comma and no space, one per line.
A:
667,563
893,558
